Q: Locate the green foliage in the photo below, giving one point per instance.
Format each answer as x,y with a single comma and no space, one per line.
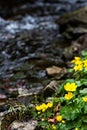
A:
69,109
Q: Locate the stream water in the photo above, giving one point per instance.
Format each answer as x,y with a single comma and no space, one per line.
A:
30,42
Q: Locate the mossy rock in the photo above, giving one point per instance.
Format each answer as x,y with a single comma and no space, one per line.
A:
74,24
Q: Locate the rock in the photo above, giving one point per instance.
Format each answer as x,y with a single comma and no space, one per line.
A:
56,71
16,112
71,51
82,42
26,96
53,70
2,97
30,125
74,24
50,89
75,48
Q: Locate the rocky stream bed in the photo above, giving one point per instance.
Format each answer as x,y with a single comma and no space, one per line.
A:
37,41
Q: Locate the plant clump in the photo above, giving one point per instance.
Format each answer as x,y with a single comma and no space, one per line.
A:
68,108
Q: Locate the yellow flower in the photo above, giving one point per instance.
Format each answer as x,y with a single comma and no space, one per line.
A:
68,96
59,118
78,63
78,67
38,108
63,121
49,104
53,127
76,59
43,107
43,110
85,61
39,113
85,64
76,129
70,87
84,99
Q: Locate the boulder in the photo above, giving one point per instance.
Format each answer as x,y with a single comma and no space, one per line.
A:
74,24
25,125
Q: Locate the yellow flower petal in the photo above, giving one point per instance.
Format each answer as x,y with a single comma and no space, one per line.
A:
70,87
59,118
68,96
84,99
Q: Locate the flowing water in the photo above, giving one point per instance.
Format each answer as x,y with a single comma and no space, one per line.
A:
30,41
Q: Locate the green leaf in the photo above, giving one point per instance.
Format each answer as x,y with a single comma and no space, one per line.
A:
84,53
42,124
85,108
84,81
70,80
60,88
83,91
78,83
68,113
85,119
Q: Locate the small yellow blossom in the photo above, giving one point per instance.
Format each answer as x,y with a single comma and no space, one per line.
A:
70,87
76,129
43,107
78,64
39,112
84,99
85,64
85,61
78,67
53,127
63,121
38,108
76,59
43,110
68,96
50,104
59,118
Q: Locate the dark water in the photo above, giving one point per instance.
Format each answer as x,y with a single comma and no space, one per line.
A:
30,41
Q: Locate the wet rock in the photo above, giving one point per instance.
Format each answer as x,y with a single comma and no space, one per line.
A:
53,70
2,97
82,41
27,95
75,48
56,71
71,51
29,41
50,89
32,7
18,112
30,125
74,24
39,7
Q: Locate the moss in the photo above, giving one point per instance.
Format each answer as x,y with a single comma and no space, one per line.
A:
80,15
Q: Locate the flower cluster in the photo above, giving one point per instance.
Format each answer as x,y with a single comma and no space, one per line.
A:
69,104
43,107
70,87
79,64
